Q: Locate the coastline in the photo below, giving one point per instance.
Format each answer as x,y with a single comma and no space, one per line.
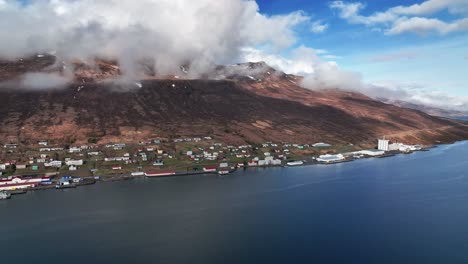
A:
125,177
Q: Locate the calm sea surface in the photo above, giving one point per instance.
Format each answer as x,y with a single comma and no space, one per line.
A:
403,209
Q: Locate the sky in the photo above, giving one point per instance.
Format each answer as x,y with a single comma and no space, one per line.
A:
421,55
413,50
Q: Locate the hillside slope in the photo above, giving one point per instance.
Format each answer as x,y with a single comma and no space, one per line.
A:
264,105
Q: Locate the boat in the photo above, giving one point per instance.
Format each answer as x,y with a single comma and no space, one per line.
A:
295,163
4,196
223,172
65,186
89,181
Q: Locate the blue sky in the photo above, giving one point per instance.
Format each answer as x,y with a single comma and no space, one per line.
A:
413,60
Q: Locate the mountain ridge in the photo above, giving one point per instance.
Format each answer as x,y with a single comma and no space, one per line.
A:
253,104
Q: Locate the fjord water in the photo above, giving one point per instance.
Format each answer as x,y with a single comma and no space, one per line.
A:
403,209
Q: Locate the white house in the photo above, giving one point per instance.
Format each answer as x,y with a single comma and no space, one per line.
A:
74,150
74,162
20,166
54,163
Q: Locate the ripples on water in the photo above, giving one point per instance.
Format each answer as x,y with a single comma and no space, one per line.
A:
403,209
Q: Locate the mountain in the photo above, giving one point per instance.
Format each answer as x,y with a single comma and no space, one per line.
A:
435,111
239,103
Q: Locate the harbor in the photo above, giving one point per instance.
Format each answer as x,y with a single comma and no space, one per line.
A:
19,184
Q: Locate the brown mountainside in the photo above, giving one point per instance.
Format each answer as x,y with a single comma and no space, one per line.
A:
248,103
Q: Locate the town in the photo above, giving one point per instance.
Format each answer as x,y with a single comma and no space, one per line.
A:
46,166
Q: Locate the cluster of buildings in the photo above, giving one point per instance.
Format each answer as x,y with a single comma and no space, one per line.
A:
155,154
384,145
194,139
23,182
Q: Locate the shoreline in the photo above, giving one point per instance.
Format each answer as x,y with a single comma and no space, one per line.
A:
126,177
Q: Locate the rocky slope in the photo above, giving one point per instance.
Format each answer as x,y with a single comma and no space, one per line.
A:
238,103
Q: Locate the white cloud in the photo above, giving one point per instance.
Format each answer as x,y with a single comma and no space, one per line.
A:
330,57
301,63
404,19
328,75
421,25
318,27
417,94
38,81
350,12
431,7
170,32
319,74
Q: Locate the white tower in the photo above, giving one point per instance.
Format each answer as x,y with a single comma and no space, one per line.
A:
383,144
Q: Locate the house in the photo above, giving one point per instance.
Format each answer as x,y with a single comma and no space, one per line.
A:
116,168
11,146
72,168
209,169
3,166
276,162
43,143
252,163
54,163
74,150
65,180
21,166
321,145
74,162
56,149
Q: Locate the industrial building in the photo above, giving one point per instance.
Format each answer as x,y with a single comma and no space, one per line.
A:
328,158
383,144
